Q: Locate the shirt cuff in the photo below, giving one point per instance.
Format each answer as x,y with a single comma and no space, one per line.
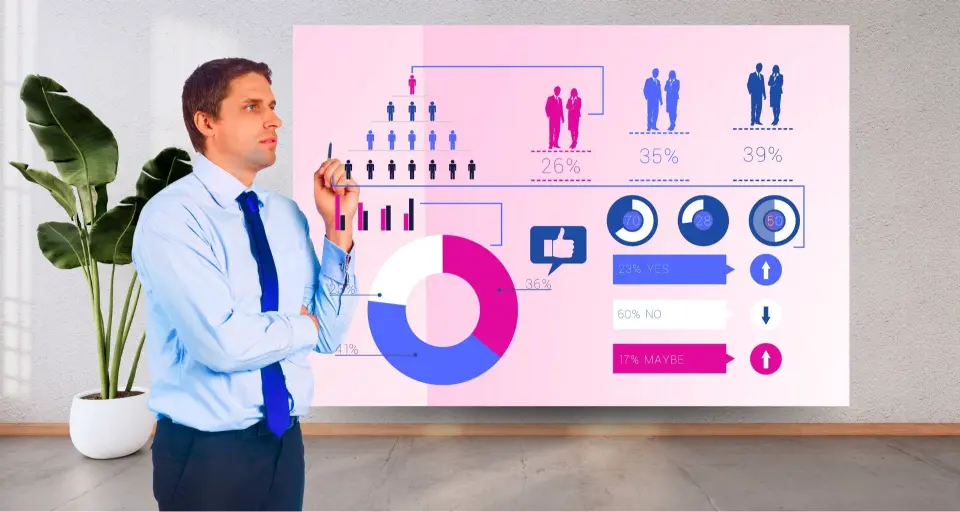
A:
335,263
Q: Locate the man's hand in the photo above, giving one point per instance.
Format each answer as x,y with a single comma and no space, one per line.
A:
303,311
328,183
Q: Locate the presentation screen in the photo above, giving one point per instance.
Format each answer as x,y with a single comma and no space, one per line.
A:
585,216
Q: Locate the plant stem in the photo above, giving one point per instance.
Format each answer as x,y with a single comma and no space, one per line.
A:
136,359
121,339
108,332
102,348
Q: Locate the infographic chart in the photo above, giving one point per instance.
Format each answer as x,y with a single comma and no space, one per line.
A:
585,216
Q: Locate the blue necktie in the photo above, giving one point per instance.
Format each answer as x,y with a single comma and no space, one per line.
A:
273,383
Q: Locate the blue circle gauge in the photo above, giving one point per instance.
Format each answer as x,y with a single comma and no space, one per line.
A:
774,220
703,220
632,220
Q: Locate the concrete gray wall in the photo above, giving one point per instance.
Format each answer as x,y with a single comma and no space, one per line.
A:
127,60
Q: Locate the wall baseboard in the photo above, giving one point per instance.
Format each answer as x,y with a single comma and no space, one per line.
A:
560,429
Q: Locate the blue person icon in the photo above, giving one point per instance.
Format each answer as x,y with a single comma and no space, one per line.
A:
369,140
412,138
453,140
412,109
433,111
392,139
390,110
433,140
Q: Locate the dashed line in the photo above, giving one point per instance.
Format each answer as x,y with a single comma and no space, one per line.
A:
659,133
659,180
778,180
561,151
558,180
763,129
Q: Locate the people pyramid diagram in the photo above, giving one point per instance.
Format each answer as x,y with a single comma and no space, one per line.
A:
411,138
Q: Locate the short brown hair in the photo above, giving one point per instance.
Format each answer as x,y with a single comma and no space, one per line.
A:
207,86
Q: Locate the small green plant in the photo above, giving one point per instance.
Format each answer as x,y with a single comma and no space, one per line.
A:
86,156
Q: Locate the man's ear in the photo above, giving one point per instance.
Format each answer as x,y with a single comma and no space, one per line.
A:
203,123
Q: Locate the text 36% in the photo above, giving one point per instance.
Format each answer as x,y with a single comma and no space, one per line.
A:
538,284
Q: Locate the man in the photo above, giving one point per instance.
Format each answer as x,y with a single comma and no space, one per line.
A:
654,96
554,111
758,93
237,300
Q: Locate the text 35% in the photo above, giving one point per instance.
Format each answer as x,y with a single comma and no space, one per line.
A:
762,154
658,155
557,166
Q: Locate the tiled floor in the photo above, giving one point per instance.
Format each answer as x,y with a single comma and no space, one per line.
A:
529,473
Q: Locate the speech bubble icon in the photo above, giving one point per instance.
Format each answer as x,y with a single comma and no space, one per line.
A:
558,245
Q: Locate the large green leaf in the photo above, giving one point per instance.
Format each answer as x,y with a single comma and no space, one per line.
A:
94,203
168,166
60,191
60,243
111,238
72,137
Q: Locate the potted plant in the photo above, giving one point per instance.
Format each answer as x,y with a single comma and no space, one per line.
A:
109,421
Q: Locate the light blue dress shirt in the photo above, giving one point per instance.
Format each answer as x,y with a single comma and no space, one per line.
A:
206,335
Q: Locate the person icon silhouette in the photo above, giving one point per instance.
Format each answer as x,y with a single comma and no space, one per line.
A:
433,169
471,168
453,169
776,91
369,140
392,139
412,167
758,93
349,168
412,82
433,140
413,110
453,140
411,138
391,168
433,111
672,88
390,110
554,110
654,96
574,104
369,169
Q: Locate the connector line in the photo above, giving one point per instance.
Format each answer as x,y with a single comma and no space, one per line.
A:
531,66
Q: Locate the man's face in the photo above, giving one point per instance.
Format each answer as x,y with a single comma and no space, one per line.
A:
246,130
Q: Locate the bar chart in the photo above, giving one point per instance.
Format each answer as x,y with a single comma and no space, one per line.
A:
386,217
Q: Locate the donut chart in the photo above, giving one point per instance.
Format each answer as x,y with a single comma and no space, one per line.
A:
486,275
703,220
774,220
632,220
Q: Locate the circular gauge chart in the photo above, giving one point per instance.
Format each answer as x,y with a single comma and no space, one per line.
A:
632,220
774,220
414,357
703,220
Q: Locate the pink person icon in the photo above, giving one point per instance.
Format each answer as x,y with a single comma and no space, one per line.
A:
412,83
554,110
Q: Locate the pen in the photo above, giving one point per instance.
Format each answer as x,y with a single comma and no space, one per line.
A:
329,151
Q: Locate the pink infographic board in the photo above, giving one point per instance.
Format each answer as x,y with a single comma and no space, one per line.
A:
585,215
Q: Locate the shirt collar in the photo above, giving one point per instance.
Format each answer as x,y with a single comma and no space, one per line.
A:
223,186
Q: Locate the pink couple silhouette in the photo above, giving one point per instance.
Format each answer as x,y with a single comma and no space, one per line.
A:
554,109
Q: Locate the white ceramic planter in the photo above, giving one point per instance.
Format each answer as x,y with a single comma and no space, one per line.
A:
108,429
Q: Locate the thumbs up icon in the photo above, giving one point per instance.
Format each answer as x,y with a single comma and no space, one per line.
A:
559,247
